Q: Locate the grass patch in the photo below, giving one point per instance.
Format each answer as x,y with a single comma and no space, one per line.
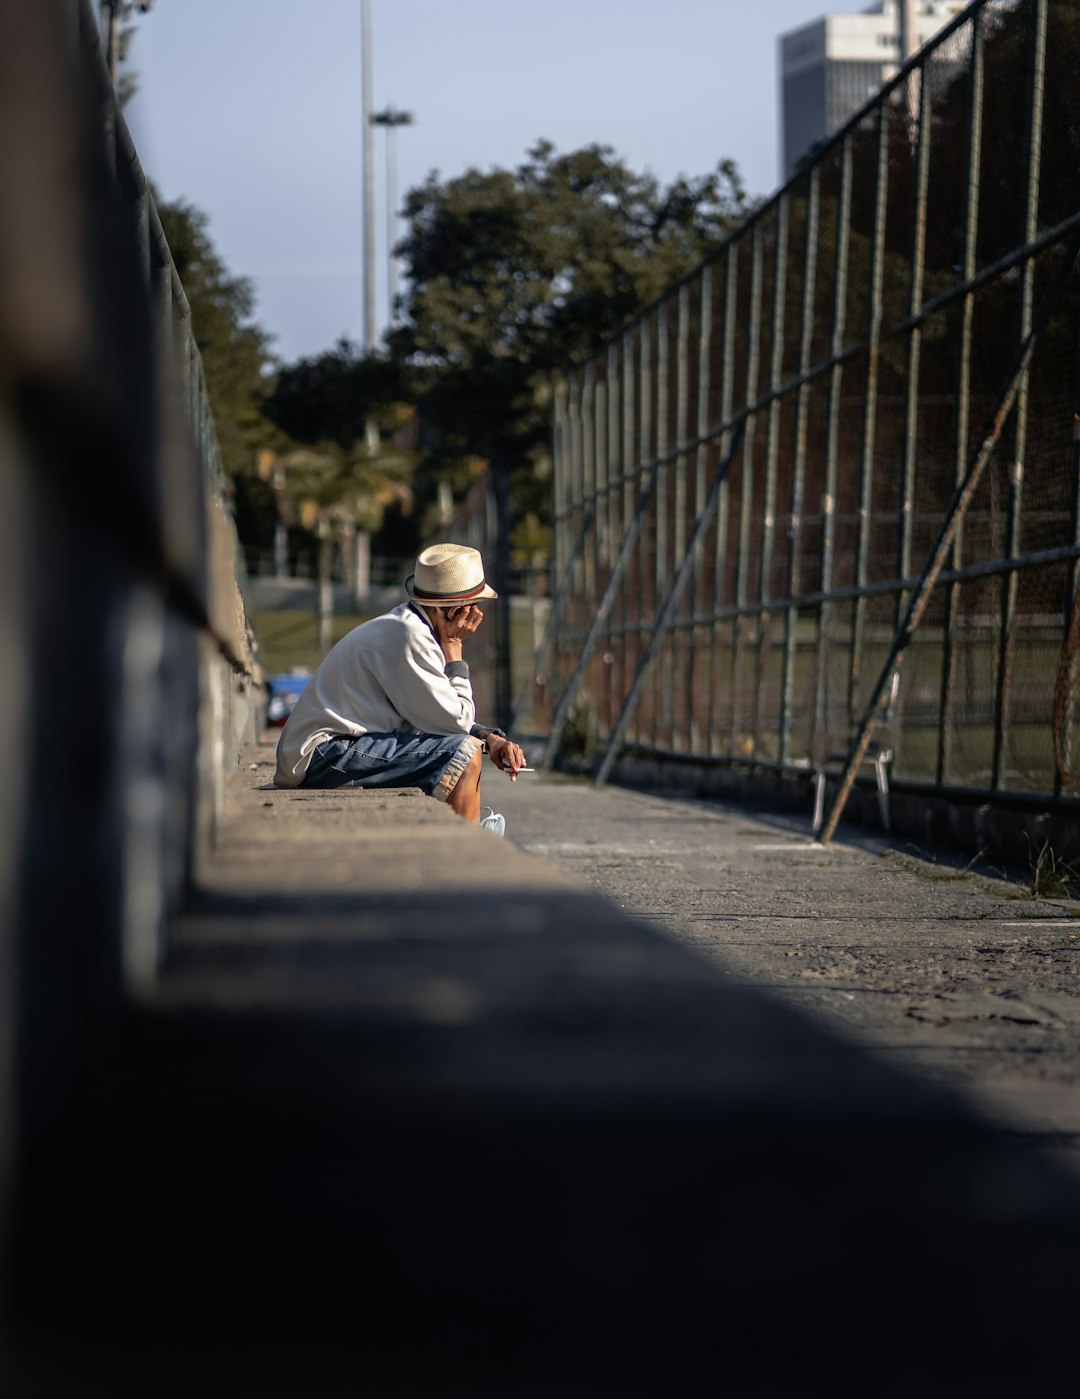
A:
289,639
1051,876
926,869
1038,915
929,869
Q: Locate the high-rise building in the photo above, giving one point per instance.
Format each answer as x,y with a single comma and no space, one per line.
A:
829,67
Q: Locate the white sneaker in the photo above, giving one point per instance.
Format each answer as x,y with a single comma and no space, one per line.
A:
492,821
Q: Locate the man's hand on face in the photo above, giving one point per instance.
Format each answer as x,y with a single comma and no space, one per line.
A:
452,625
506,756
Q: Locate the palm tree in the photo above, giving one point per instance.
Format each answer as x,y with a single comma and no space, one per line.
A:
341,495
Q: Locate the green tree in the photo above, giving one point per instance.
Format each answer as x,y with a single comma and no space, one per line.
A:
512,273
235,349
334,396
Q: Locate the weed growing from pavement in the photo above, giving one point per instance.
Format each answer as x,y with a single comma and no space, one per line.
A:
996,883
1051,876
1038,915
929,868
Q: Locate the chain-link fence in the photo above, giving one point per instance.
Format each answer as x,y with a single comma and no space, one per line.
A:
847,441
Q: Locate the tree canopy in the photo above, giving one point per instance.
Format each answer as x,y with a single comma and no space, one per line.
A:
332,397
512,273
235,350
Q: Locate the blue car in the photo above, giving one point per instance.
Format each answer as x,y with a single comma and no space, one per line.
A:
284,690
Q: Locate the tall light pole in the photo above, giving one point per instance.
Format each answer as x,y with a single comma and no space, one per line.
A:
113,13
369,181
909,44
390,120
909,41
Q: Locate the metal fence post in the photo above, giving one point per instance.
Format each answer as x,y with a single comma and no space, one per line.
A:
1064,709
679,505
963,386
599,502
610,522
875,312
1009,582
727,391
559,470
632,455
842,236
911,377
664,440
704,381
772,458
746,501
798,480
648,449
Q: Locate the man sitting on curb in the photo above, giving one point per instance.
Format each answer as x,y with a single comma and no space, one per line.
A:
392,705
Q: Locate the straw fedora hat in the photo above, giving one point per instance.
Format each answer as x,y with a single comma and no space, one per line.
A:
448,575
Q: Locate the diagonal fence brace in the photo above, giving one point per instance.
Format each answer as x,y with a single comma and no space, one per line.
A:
569,695
666,615
557,605
957,510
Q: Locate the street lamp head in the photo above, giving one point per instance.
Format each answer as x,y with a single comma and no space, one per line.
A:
391,117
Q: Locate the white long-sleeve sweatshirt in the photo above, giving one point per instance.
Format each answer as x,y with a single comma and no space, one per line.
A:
388,675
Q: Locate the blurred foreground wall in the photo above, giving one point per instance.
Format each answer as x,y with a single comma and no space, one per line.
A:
125,674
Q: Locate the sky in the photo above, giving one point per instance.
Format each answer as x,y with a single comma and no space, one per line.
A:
252,111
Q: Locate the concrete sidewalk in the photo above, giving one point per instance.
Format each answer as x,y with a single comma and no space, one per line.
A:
945,967
414,1112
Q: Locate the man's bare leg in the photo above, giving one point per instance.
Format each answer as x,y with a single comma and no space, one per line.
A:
465,797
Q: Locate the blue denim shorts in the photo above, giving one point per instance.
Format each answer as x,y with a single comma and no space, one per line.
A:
392,760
